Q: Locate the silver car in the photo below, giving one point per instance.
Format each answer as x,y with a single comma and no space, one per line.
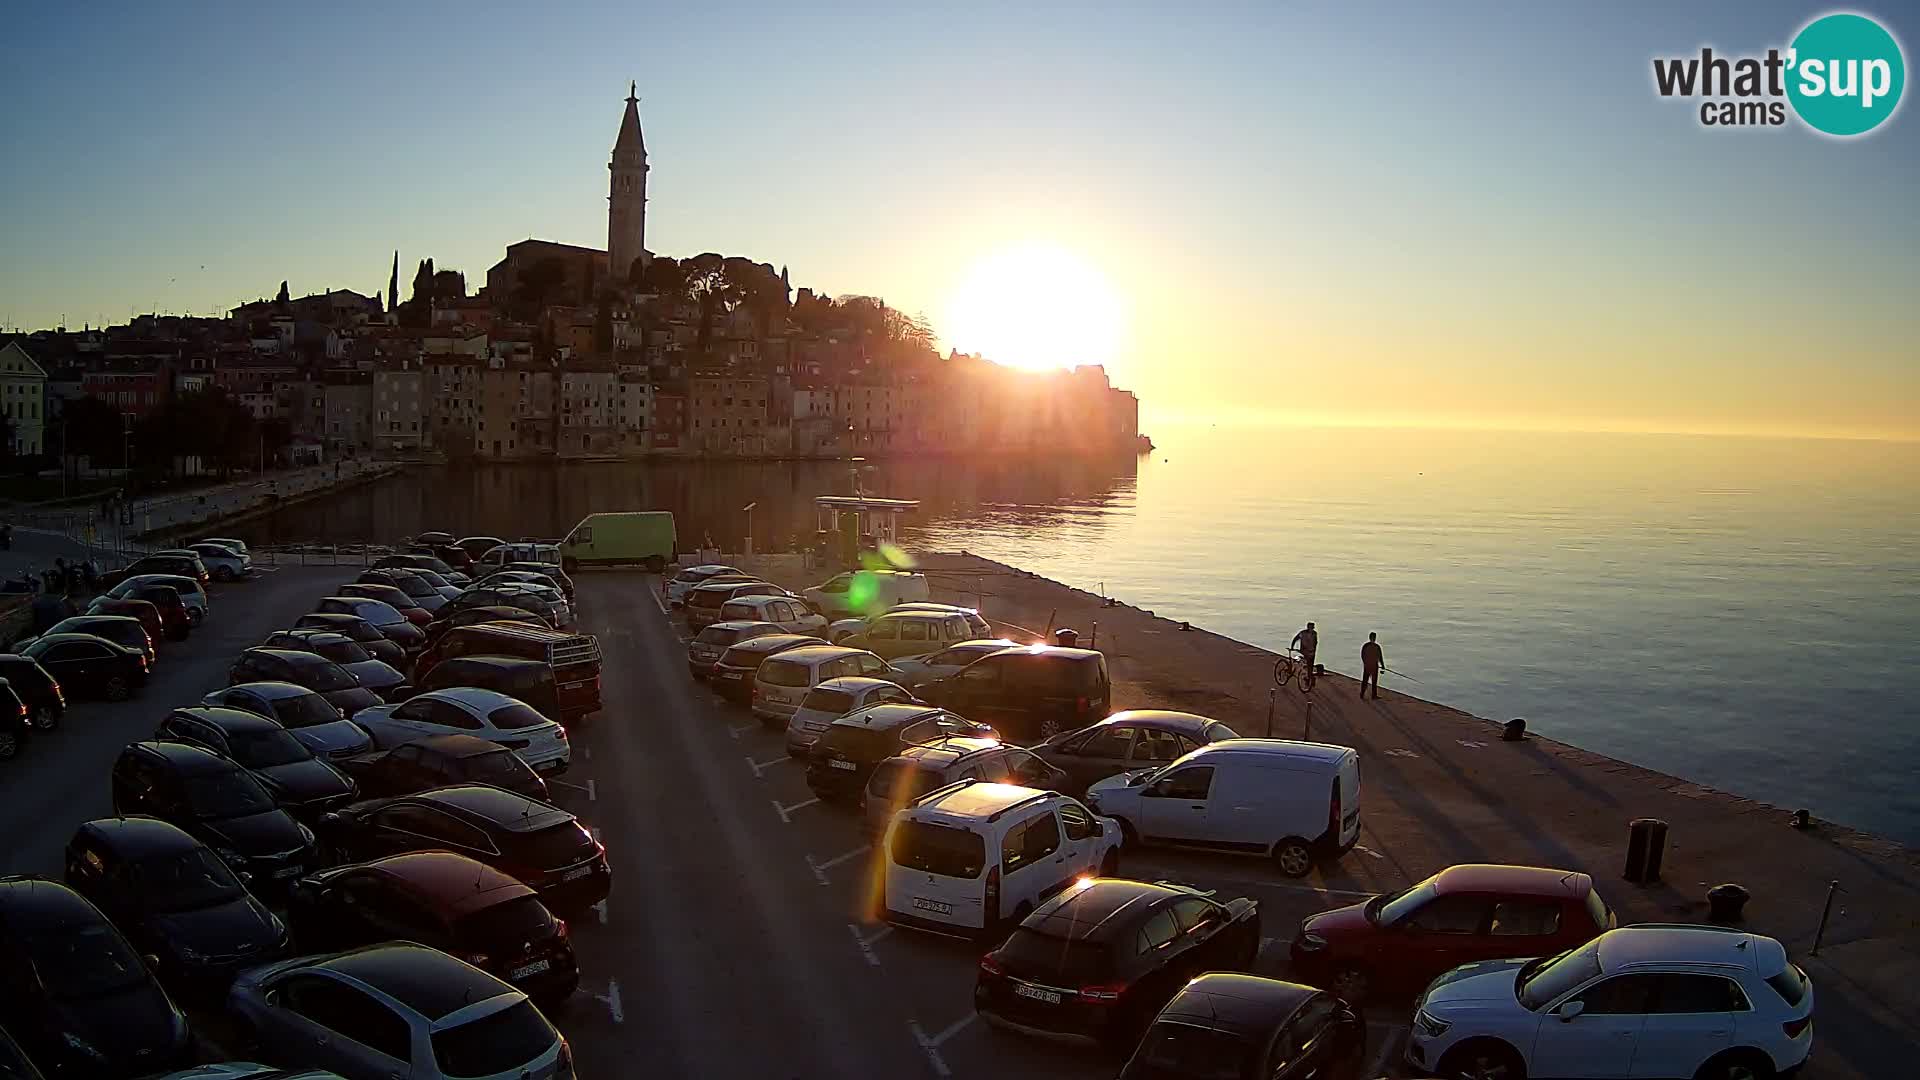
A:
917,671
398,1010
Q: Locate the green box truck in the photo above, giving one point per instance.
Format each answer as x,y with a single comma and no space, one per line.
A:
643,537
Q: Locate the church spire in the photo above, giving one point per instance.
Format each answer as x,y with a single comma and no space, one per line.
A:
627,195
630,137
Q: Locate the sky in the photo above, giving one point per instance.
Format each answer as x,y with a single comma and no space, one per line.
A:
1396,214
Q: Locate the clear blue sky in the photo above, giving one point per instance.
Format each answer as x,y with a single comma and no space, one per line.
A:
1386,212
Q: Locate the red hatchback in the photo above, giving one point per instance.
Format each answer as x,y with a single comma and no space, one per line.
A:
1463,914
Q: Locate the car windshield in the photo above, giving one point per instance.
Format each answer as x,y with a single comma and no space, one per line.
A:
265,749
515,716
518,919
415,586
1388,910
735,609
83,961
226,794
344,652
305,710
938,849
504,1042
433,578
185,881
1219,732
323,675
1175,1051
823,699
1544,980
503,766
784,673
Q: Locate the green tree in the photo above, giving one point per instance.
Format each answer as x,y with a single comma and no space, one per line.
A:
283,299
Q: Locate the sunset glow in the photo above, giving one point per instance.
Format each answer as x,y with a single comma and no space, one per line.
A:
1036,307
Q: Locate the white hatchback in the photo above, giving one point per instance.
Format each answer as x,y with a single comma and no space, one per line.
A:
974,857
465,710
789,614
1641,1001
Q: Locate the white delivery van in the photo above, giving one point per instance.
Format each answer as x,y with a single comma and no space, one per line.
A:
864,593
1293,802
974,856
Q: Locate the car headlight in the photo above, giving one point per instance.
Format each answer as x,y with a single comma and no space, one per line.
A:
75,1042
1430,1025
1310,942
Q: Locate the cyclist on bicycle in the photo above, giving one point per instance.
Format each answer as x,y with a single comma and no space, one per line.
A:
1307,642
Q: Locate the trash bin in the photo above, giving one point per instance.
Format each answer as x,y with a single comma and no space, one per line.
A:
1066,638
1646,847
1726,903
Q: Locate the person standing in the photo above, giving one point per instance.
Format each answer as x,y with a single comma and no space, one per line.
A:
1307,642
1372,659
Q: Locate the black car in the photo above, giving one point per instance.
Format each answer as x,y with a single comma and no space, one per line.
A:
1135,739
540,844
1029,693
447,620
439,760
384,649
175,899
303,784
188,565
531,681
45,698
13,1060
443,900
119,629
311,670
86,665
369,671
218,802
1224,1026
732,674
420,560
487,596
1100,959
403,578
841,761
476,546
16,726
75,993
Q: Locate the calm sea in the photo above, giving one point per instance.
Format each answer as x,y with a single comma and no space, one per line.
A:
1739,612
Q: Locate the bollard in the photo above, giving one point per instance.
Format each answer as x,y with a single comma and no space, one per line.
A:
1646,847
1825,910
1516,730
1270,694
1066,638
1725,904
1801,819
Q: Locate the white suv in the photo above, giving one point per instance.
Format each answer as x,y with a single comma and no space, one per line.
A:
974,857
1641,1001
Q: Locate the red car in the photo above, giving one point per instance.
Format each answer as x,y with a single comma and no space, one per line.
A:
1463,914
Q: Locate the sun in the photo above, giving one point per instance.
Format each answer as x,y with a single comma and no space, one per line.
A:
1036,307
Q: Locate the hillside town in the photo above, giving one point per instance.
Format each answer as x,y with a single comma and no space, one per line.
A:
565,352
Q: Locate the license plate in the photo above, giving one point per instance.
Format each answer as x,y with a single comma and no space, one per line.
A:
923,904
729,676
1051,997
573,685
847,765
286,872
576,873
534,968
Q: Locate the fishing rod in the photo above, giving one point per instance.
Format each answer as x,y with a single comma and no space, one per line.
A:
1402,674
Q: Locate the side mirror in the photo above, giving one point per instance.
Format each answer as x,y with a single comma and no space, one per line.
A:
1569,1010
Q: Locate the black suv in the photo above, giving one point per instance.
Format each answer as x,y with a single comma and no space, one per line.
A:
438,760
842,760
216,801
1098,961
1276,1029
531,681
305,785
75,993
445,901
368,635
311,670
43,695
175,898
1029,693
84,664
358,661
540,844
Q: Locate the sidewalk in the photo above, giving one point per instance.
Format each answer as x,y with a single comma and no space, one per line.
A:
83,521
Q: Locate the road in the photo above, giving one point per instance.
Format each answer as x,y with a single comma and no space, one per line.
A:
735,941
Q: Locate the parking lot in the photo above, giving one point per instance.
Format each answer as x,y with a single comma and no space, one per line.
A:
738,938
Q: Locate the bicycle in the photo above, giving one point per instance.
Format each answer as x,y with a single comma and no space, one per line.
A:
1290,664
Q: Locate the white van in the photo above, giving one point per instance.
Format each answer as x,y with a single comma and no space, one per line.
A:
782,681
1293,802
974,857
866,592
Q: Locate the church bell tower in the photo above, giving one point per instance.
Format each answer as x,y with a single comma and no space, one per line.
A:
627,195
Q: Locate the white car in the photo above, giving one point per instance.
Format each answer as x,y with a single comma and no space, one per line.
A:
466,710
789,614
693,577
228,542
974,857
1642,1001
223,563
192,593
834,699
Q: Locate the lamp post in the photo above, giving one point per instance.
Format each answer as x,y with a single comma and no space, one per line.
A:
748,510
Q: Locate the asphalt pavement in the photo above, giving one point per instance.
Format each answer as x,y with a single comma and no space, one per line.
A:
738,939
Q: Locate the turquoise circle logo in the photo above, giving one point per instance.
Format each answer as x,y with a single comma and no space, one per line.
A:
1846,74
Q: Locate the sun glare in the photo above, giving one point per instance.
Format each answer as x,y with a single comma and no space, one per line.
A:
1036,308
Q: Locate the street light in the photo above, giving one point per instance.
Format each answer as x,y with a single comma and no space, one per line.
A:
748,510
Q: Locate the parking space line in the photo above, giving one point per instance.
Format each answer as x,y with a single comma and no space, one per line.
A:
931,1044
786,812
658,601
741,729
586,787
587,750
611,999
601,909
760,767
820,868
865,944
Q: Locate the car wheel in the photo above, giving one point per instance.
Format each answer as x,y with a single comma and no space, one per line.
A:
1737,1065
1050,727
223,573
9,744
1110,866
45,718
1293,858
1128,838
1483,1059
1350,985
116,688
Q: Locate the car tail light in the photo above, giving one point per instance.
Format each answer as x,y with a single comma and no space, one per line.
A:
1081,704
990,966
993,895
560,733
1102,993
1794,1028
1333,812
560,930
23,708
563,1066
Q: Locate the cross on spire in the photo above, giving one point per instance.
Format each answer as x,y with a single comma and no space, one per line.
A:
632,86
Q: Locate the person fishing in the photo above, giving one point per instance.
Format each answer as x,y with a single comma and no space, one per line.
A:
1307,642
1372,659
